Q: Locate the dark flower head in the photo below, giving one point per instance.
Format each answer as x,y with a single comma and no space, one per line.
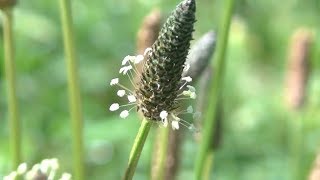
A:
161,84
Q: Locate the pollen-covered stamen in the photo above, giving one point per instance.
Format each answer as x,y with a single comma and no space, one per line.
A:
176,119
124,70
114,81
124,114
187,79
114,107
148,51
121,93
127,59
164,118
186,67
132,98
138,59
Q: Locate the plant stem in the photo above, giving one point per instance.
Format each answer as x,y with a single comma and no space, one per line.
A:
217,83
208,165
161,158
74,91
137,148
14,124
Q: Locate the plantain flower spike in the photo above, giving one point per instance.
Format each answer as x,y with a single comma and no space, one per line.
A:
161,87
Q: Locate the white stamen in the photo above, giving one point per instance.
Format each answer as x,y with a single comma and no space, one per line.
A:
186,67
121,93
175,125
138,59
163,115
147,51
190,109
126,60
191,88
187,79
132,98
114,81
124,114
22,168
165,122
124,70
114,107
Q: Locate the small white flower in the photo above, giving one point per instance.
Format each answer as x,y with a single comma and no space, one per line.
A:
22,168
114,81
124,114
124,70
147,51
66,176
191,88
121,93
186,67
127,59
132,98
190,109
138,59
114,107
187,79
175,125
163,115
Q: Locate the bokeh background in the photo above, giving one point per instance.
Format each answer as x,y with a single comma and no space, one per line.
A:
256,118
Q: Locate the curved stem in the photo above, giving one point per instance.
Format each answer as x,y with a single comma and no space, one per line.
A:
15,141
215,91
74,91
137,148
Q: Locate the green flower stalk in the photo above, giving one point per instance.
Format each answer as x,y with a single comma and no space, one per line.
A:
161,85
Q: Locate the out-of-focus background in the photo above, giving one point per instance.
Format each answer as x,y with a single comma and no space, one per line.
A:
256,121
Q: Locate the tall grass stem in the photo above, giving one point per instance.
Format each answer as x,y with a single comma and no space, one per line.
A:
217,83
74,90
14,123
137,149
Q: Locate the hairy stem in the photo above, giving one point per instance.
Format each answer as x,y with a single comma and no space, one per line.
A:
215,91
15,137
137,148
74,91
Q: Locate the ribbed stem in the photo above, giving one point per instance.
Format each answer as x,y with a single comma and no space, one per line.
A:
137,148
74,91
14,124
215,91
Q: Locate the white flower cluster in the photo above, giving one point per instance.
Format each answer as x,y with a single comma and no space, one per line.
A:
128,68
186,92
47,169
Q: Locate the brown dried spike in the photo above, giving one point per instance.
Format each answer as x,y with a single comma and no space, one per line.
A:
7,3
298,68
149,30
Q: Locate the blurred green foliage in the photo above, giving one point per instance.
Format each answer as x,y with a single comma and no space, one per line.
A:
255,136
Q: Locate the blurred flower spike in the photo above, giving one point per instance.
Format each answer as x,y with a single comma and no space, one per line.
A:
47,169
161,87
